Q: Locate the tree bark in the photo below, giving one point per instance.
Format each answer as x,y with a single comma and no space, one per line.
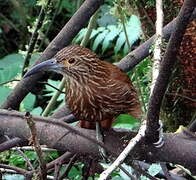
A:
178,148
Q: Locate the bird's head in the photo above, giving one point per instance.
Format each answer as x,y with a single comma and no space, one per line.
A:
72,61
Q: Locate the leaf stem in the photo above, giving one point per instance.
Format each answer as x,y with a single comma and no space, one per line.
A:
54,98
91,25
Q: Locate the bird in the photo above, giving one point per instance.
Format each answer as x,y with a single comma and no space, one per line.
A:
95,90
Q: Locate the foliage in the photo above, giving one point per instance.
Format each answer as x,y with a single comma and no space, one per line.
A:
126,121
110,33
11,69
141,77
16,159
13,177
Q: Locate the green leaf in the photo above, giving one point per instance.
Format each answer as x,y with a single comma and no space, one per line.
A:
37,111
61,97
109,37
80,35
93,33
34,57
118,178
126,121
16,160
134,29
31,155
11,59
29,102
154,169
144,178
75,173
4,91
13,177
125,49
99,39
119,43
51,155
100,29
123,175
4,156
10,66
50,89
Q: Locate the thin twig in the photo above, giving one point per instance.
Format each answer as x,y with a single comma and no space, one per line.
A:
31,148
122,18
183,96
141,6
142,171
61,137
16,169
127,173
6,82
52,87
158,43
65,157
165,171
133,142
35,36
57,168
50,25
54,98
68,167
23,155
166,69
91,25
31,124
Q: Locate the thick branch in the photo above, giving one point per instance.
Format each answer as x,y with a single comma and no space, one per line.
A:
65,36
178,148
166,69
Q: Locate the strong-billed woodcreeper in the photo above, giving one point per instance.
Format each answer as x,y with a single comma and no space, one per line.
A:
95,90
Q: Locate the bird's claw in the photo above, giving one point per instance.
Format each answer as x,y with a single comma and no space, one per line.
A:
160,142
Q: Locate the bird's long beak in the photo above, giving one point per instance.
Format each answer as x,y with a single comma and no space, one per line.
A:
50,64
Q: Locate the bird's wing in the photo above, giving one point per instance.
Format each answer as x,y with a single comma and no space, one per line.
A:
118,95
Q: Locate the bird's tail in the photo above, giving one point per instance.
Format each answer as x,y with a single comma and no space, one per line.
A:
135,111
105,124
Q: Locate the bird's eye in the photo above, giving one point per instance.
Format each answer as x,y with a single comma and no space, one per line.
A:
71,61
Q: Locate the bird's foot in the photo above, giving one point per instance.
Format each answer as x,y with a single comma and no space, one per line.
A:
160,142
100,138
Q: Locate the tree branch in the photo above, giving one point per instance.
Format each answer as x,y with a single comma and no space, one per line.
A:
166,68
10,143
14,125
136,56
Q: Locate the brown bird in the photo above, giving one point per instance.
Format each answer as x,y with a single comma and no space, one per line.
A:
95,90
